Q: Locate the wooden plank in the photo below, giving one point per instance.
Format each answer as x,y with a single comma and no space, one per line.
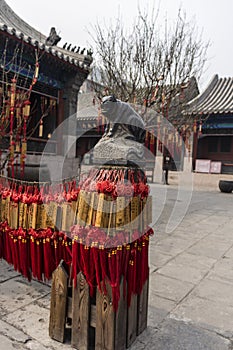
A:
105,320
80,314
58,303
69,307
92,313
121,320
143,308
110,326
132,320
93,316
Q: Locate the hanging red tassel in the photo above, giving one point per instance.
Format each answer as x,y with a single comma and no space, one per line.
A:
49,261
39,256
33,252
200,128
94,256
125,264
9,250
41,128
131,275
12,110
195,126
55,247
75,258
67,254
113,274
152,142
88,267
26,113
24,258
103,263
14,242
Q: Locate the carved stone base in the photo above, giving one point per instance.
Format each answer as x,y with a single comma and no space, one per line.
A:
117,151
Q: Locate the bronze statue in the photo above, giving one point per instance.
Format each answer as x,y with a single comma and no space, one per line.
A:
124,134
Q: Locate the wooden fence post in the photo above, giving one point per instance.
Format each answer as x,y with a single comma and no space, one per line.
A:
110,325
80,314
58,303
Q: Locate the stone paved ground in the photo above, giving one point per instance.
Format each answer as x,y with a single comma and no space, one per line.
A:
191,281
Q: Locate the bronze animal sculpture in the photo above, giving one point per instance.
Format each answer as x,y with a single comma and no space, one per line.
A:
124,135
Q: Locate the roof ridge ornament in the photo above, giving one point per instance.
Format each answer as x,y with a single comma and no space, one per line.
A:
53,37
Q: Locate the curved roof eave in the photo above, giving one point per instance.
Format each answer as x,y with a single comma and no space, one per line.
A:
217,98
11,23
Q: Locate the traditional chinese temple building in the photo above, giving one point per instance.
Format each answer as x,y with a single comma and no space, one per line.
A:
38,74
213,112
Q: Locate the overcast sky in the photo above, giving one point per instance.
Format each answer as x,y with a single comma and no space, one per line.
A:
73,19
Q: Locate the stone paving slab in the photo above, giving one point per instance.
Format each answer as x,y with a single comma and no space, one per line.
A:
224,234
210,248
168,287
34,320
7,344
207,314
12,338
172,246
229,253
183,272
13,333
174,335
222,271
44,301
158,258
18,292
219,292
7,272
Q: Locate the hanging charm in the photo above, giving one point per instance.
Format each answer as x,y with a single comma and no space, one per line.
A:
41,128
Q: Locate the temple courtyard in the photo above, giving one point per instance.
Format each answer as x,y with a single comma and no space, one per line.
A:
191,279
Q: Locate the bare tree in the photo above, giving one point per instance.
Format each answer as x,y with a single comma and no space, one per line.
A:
148,64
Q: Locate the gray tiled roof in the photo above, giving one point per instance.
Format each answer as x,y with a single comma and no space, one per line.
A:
216,98
11,23
87,114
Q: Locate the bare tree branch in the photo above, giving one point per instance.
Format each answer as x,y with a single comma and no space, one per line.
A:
149,63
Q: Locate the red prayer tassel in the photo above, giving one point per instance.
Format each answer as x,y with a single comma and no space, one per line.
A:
9,257
113,266
125,263
49,262
16,249
24,254
152,142
67,254
103,263
33,251
94,256
39,258
75,269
